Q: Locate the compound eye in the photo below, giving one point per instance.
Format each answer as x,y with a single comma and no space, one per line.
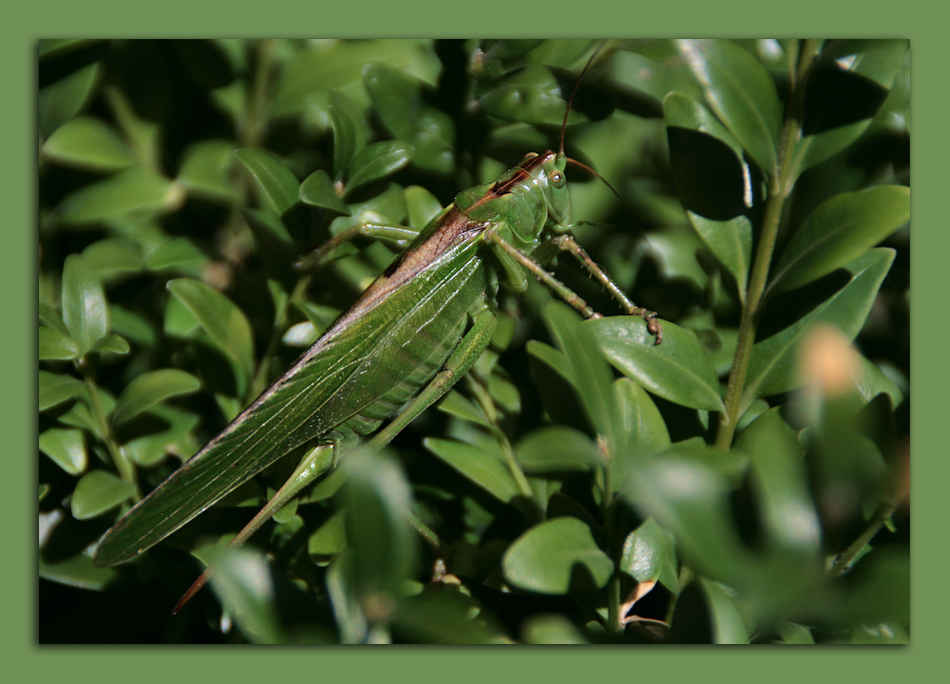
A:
557,177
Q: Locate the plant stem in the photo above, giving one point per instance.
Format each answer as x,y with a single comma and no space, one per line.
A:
780,188
883,513
122,464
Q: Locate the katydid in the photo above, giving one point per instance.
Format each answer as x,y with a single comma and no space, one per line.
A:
407,340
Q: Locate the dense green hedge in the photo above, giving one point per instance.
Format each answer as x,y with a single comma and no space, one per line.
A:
743,481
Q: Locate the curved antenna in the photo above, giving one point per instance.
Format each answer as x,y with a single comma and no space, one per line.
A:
567,112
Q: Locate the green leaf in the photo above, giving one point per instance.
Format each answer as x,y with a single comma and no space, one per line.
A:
317,190
54,389
278,187
88,143
225,324
728,627
422,206
840,230
731,242
330,538
134,193
98,492
177,253
241,579
206,171
789,516
551,629
557,556
649,556
484,469
557,448
150,449
688,493
112,344
860,64
401,105
377,496
679,369
77,571
151,388
84,304
741,93
61,101
55,346
377,161
773,365
113,257
531,95
345,143
67,448
593,377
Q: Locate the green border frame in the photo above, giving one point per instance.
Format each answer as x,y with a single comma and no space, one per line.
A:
687,18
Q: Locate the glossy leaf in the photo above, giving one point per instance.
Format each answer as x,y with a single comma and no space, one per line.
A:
643,430
241,579
88,143
277,185
688,497
177,437
558,556
839,231
400,102
345,140
206,171
532,95
484,469
678,369
224,322
112,344
557,448
179,254
134,192
772,366
592,376
85,311
377,497
847,87
376,161
113,258
649,555
317,190
551,629
741,93
789,516
99,492
67,448
730,242
728,627
55,346
54,389
58,102
144,391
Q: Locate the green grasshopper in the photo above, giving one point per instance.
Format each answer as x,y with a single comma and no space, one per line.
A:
407,340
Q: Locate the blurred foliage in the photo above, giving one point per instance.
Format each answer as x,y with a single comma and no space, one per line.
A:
744,481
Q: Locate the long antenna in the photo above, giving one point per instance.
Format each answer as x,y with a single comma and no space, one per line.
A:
570,102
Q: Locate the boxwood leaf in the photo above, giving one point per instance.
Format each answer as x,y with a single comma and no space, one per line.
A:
679,369
67,448
740,92
89,143
839,231
278,187
225,324
98,492
772,366
484,469
317,190
55,346
54,389
84,304
151,388
557,556
377,161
